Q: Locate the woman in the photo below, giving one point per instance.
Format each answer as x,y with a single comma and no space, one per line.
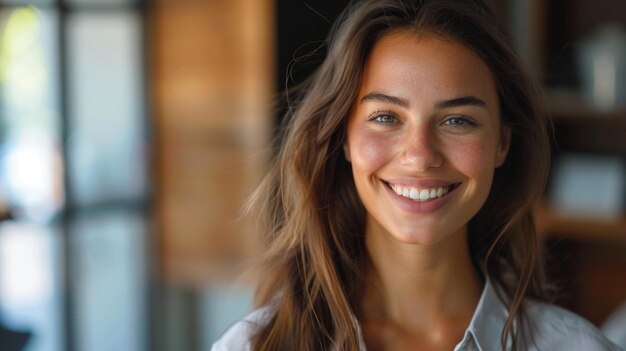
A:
398,212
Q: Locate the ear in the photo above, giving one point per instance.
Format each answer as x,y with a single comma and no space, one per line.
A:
346,151
503,148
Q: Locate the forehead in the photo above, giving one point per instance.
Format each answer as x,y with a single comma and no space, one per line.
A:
404,64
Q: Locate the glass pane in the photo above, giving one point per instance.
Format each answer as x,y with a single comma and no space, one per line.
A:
106,135
26,2
30,166
30,278
110,273
222,306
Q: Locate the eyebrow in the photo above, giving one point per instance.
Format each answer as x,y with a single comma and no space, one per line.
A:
460,101
375,96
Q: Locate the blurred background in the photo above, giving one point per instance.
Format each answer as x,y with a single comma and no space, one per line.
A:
132,131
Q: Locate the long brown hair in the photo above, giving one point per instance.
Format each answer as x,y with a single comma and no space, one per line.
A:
313,219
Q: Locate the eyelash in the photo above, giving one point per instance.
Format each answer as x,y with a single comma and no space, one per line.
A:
374,117
460,121
463,121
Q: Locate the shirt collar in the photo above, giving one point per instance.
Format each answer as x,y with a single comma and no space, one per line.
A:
488,320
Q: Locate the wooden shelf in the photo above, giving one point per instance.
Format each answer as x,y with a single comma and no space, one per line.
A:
579,127
585,259
553,224
568,103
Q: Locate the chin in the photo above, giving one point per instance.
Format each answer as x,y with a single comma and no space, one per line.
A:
428,238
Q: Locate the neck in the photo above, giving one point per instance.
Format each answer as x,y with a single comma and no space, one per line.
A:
421,285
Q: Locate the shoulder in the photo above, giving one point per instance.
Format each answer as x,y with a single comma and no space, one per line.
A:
238,337
554,328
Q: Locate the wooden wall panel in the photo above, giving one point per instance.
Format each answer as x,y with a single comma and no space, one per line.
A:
213,75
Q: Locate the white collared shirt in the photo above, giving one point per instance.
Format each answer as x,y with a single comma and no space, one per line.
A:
553,329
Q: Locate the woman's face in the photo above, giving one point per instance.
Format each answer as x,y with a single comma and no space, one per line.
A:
424,137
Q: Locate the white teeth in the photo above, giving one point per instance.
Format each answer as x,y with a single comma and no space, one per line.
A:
397,189
420,195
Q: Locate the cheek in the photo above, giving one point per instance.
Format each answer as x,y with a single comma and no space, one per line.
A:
474,158
368,152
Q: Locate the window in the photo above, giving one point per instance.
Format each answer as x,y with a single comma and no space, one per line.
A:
74,147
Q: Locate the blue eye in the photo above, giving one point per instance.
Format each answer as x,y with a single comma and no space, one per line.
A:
459,121
383,118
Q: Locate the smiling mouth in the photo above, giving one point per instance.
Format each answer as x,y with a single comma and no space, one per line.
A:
421,195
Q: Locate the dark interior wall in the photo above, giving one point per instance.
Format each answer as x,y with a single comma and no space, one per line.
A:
302,27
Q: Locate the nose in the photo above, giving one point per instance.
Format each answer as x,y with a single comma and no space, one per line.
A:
420,149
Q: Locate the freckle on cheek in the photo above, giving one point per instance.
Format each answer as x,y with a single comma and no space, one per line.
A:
470,154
